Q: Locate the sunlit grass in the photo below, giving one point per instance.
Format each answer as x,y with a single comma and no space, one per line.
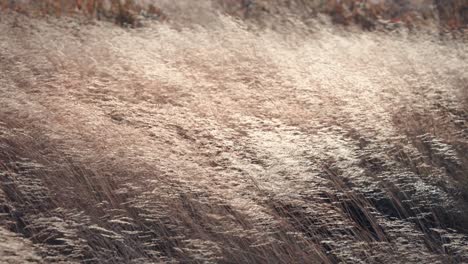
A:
214,142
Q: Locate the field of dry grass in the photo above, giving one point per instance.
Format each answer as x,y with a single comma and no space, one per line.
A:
202,139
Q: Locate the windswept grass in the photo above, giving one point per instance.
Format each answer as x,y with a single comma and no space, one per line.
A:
205,140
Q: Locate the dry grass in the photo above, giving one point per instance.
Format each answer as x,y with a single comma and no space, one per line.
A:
124,13
201,140
445,16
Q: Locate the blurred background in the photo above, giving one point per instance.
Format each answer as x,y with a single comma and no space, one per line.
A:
369,14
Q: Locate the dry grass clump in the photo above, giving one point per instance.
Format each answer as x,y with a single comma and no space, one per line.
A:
449,16
124,13
203,140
